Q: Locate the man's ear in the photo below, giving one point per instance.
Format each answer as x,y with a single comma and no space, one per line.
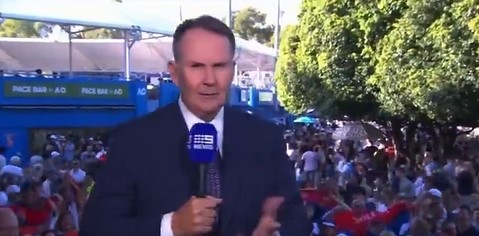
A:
172,69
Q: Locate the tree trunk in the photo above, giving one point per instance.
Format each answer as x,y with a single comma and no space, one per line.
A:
397,135
432,130
448,135
411,144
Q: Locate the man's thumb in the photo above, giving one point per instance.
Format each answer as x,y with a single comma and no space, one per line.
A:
271,206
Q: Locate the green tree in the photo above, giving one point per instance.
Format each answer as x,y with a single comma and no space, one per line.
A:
19,29
337,43
292,86
94,33
427,66
250,23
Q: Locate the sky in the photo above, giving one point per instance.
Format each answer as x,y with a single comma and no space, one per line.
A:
170,9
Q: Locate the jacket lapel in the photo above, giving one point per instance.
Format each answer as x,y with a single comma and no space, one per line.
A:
180,138
234,155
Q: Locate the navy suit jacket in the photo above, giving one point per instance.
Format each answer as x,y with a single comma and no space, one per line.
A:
148,174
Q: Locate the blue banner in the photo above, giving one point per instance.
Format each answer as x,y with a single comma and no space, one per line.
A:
44,91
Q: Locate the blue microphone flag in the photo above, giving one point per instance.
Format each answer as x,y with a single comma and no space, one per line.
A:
202,143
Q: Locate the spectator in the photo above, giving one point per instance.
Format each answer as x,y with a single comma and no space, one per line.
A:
8,222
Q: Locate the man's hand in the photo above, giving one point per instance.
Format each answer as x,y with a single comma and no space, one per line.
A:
195,217
268,225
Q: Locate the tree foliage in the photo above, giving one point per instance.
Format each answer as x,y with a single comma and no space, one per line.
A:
427,66
250,23
291,85
336,51
411,59
28,29
102,33
20,29
93,33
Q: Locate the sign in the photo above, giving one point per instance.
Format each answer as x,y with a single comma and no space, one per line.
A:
141,92
265,96
47,89
244,95
203,141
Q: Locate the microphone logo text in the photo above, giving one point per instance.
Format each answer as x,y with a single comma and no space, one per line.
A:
203,142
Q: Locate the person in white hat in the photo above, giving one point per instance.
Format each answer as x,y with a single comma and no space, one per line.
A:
36,160
16,161
3,160
435,193
13,193
3,199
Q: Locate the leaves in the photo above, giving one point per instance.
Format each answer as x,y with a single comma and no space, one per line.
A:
427,65
415,59
27,29
101,34
250,23
19,29
337,43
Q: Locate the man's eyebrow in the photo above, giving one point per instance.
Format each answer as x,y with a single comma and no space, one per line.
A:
215,64
223,63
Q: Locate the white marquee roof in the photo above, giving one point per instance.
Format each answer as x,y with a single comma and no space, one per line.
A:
105,14
104,55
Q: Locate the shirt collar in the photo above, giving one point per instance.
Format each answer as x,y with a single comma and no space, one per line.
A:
192,119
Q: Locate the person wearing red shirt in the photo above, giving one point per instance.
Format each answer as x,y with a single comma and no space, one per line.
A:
34,212
358,219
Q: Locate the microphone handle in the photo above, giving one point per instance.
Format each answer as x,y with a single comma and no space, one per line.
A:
202,185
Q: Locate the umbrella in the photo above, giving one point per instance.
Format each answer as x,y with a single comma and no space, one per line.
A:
357,131
305,120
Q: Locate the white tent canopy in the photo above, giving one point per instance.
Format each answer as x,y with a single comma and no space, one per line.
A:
94,13
104,14
102,55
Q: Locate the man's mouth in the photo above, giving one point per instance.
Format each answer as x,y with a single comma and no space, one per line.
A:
208,94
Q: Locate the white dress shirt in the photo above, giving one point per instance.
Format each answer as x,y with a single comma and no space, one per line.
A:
190,120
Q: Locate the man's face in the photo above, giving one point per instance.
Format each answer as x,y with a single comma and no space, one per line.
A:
464,216
204,71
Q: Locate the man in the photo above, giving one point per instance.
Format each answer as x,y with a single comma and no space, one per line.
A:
8,222
148,184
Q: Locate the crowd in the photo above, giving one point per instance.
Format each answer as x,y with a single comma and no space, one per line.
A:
46,195
364,188
354,188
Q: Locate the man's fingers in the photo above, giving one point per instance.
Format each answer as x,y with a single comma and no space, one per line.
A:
267,227
206,221
217,200
203,229
209,213
271,206
208,202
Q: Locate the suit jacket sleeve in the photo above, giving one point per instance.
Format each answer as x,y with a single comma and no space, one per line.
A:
112,208
292,214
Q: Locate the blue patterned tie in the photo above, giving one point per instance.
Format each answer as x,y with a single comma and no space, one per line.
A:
213,177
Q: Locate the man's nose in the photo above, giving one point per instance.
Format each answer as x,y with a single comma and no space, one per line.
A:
210,76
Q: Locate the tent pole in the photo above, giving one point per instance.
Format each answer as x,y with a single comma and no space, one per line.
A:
277,27
126,48
70,52
236,78
277,34
229,16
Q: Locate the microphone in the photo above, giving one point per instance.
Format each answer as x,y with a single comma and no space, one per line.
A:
202,146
